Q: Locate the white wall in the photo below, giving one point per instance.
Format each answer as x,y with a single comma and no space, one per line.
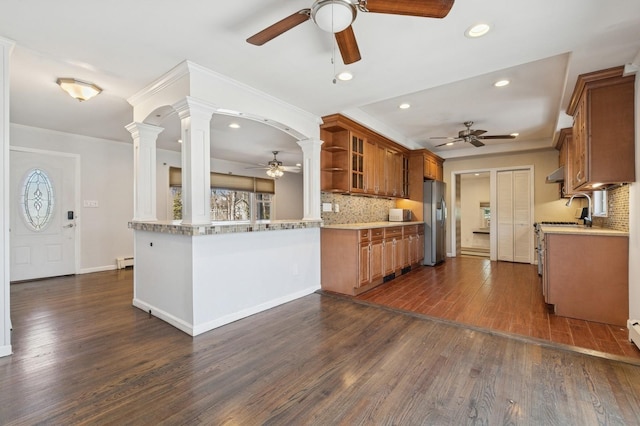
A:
473,192
106,175
289,189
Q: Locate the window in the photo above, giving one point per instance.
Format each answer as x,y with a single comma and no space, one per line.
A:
37,200
233,198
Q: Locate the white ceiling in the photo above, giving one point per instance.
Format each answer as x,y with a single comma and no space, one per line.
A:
122,46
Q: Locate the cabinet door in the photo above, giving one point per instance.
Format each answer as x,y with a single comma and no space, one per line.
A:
389,256
407,243
364,273
579,160
357,162
399,253
420,246
376,260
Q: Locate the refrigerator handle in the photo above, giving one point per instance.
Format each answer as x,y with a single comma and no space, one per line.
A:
444,209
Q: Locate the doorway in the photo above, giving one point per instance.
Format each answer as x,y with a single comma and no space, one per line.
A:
43,193
475,214
525,204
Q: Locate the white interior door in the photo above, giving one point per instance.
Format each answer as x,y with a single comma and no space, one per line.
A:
43,218
515,234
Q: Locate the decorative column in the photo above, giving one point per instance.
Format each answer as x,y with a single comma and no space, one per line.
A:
311,178
144,170
195,121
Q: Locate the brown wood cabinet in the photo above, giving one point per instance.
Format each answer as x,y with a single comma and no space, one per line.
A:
357,160
586,276
354,261
602,148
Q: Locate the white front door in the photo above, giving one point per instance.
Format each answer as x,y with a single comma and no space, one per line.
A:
43,214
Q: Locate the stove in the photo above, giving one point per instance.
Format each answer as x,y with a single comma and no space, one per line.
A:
540,242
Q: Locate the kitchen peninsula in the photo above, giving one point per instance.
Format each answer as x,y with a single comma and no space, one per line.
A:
199,277
585,273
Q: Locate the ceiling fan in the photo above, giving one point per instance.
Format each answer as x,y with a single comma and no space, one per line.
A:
275,168
336,16
474,137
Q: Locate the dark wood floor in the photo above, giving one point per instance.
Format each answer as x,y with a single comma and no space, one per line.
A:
84,355
501,296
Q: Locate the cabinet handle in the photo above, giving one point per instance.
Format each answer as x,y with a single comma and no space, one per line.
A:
579,175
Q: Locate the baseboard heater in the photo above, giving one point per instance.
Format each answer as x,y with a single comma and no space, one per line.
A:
634,331
123,262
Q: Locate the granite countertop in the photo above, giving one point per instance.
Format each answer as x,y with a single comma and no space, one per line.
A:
370,225
227,227
581,230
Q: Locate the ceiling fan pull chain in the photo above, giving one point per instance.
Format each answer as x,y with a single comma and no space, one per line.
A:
362,6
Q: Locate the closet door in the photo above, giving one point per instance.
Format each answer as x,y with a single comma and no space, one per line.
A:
515,238
522,228
505,215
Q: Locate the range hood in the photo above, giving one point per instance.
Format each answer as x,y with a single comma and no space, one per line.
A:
556,176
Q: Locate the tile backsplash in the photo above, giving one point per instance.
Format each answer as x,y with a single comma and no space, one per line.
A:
618,210
355,209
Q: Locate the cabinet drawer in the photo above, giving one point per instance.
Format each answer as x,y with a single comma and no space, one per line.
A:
364,234
395,231
410,229
377,233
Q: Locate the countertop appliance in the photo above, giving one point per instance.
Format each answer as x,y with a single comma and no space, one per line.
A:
435,217
399,215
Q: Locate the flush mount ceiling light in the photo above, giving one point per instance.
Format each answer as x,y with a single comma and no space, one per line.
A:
477,30
404,105
333,16
77,89
501,83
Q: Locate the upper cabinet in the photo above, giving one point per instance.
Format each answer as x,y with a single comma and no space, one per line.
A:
601,148
357,160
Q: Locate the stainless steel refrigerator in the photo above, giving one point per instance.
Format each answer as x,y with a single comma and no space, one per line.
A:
435,217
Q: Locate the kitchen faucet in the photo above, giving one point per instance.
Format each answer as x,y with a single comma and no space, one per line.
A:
587,219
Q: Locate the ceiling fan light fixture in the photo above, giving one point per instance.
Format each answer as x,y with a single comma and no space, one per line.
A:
333,16
78,89
477,30
275,172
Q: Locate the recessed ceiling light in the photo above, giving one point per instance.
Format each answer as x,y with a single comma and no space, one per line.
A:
404,105
501,83
234,125
179,140
515,134
345,76
477,174
477,30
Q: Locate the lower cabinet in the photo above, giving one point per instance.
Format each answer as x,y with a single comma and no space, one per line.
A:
586,276
356,260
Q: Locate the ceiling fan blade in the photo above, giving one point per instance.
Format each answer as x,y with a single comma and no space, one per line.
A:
497,137
476,143
478,132
292,169
451,142
280,27
424,8
443,137
348,46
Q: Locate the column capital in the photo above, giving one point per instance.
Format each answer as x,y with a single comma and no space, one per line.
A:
190,106
138,130
310,143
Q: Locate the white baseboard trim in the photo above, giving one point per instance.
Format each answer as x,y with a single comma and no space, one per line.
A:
227,319
164,316
194,330
97,269
6,350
